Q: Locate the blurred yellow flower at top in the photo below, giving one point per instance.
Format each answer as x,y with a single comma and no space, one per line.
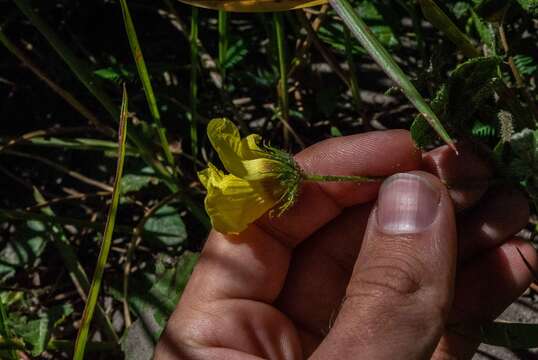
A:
259,178
254,5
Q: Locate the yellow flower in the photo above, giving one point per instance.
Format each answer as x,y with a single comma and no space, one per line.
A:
259,179
254,5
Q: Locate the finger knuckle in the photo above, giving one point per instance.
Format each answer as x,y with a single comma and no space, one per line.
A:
392,277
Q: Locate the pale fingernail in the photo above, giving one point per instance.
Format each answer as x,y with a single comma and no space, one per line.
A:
407,204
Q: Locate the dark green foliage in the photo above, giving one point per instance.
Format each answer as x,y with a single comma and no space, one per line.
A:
24,249
527,65
469,86
531,6
489,99
155,306
522,163
165,227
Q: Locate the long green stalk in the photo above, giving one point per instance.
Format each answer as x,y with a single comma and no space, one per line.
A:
146,82
365,36
223,42
76,271
353,83
437,17
282,68
82,337
193,116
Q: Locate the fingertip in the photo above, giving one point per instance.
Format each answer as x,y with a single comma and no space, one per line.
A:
466,175
502,213
522,262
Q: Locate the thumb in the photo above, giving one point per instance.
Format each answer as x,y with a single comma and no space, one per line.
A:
401,289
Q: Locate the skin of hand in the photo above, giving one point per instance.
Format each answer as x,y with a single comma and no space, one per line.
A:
361,271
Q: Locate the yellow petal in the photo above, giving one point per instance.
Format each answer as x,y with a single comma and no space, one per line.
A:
232,150
254,5
233,203
258,169
208,177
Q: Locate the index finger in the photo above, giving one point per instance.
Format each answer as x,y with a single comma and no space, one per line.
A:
254,264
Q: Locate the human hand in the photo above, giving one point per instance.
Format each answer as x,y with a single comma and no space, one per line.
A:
296,286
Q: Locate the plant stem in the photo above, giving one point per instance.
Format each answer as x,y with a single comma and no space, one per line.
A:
146,82
365,36
282,66
193,117
342,178
82,337
437,17
223,43
74,268
520,84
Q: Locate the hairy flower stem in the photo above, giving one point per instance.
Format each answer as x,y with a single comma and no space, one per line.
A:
343,178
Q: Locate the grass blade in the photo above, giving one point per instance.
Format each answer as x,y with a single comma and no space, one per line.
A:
193,116
146,82
365,36
95,288
223,42
437,17
74,268
283,72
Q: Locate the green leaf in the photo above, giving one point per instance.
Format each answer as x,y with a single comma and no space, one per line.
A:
37,333
486,33
526,65
332,32
335,132
460,9
166,227
114,74
24,249
435,15
234,54
483,130
530,6
154,307
133,182
421,132
469,86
